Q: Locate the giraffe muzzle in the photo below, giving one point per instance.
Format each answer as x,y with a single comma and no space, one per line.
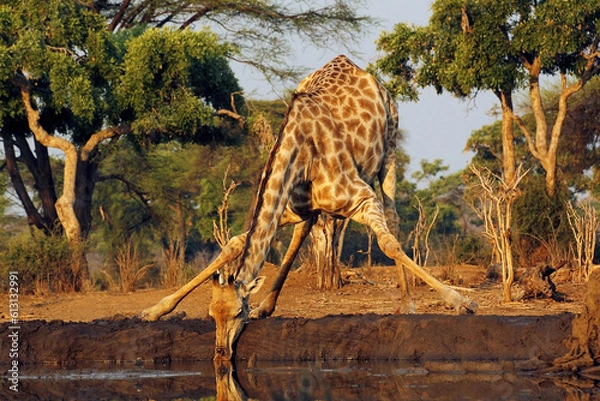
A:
222,353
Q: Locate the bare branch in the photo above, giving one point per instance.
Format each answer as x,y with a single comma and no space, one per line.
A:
99,136
222,232
530,141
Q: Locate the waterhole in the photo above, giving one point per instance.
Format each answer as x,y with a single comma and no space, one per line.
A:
347,380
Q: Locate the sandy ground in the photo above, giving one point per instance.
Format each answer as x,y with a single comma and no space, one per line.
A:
365,290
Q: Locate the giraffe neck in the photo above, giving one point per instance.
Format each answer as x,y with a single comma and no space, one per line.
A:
279,176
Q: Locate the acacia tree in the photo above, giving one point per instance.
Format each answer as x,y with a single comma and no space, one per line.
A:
265,31
470,46
73,84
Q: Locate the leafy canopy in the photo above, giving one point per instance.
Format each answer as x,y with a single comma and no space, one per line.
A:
475,45
85,78
173,80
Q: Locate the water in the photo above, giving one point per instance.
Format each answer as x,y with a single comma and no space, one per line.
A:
310,381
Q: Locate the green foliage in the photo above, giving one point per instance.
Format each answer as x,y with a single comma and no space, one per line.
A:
149,195
539,222
43,262
473,249
429,170
472,45
60,47
172,80
86,78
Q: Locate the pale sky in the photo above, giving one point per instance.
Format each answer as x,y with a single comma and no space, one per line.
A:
436,127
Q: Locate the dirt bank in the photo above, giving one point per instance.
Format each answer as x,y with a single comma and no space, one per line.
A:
415,338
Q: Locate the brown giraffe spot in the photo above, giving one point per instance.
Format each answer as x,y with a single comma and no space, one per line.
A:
361,130
358,147
369,93
367,107
363,83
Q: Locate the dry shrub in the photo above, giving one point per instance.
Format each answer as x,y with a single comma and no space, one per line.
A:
129,267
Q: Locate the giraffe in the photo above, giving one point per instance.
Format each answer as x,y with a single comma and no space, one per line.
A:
338,136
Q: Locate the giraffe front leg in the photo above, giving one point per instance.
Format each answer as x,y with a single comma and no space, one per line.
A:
407,304
267,306
230,252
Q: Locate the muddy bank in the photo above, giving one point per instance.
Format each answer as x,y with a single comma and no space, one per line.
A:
358,337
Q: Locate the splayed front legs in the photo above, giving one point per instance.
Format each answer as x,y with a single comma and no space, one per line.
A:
230,252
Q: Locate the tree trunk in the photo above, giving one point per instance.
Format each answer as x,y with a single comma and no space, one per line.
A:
508,138
325,236
508,270
34,217
87,176
65,203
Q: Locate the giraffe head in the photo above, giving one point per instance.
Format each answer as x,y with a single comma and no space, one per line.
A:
229,307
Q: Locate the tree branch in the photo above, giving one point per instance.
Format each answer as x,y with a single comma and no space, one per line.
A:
119,15
229,113
99,136
528,136
130,186
199,14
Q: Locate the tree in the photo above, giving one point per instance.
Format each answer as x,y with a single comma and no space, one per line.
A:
493,204
539,224
265,31
454,54
470,46
72,84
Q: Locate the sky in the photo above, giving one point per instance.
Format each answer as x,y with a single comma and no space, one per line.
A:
437,126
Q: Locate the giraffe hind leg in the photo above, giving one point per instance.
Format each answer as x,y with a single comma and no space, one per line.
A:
370,213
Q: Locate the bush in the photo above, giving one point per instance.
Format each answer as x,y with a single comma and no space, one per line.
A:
43,262
539,224
473,249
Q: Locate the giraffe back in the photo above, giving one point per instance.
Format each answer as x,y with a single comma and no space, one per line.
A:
366,114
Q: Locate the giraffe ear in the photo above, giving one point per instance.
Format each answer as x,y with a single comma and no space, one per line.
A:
253,286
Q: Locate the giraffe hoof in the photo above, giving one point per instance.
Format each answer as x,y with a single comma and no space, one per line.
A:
258,313
147,316
468,308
